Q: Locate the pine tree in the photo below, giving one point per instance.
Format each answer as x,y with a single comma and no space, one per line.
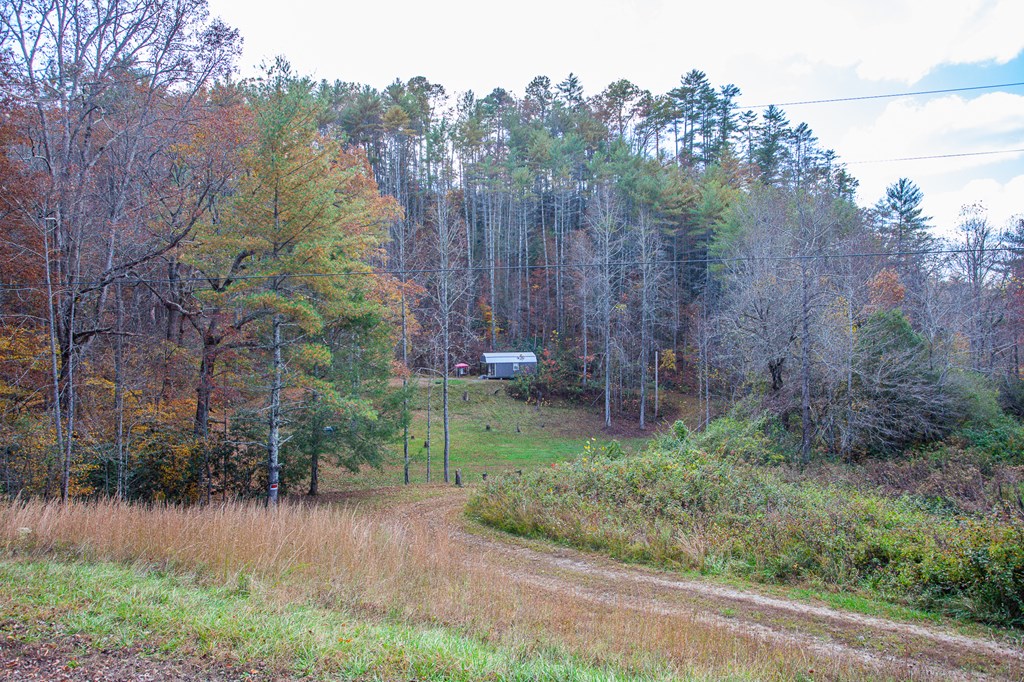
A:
902,230
304,208
902,225
770,152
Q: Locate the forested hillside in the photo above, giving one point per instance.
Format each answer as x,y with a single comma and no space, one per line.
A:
204,280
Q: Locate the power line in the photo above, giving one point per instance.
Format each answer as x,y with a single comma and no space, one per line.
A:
937,156
885,96
834,100
404,274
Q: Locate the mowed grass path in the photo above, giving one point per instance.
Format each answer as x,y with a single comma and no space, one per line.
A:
490,433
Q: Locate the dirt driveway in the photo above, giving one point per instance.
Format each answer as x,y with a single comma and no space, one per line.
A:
915,650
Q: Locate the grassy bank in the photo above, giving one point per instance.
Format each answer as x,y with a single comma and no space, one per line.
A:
379,570
116,607
681,507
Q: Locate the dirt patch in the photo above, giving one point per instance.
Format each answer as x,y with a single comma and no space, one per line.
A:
374,498
60,659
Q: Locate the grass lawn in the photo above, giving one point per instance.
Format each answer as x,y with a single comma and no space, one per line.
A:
490,433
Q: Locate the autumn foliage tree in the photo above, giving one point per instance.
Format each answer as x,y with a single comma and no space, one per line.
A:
296,236
159,228
105,88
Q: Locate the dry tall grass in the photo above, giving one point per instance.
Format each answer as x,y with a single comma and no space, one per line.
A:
404,570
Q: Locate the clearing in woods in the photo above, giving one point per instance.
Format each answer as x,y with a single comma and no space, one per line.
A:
492,433
410,589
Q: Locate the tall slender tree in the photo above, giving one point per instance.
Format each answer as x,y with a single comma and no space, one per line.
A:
306,218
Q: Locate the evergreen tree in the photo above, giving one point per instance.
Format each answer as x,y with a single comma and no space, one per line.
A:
901,224
770,152
570,92
303,207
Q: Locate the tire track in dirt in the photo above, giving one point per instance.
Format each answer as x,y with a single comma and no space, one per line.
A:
920,650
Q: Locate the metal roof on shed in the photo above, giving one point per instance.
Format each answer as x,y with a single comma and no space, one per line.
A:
498,358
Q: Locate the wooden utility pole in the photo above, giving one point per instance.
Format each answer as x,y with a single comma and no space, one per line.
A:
656,385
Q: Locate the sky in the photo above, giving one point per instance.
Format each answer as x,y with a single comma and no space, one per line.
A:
775,52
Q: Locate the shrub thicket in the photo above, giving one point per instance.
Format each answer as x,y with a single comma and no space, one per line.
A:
678,505
1001,440
1011,397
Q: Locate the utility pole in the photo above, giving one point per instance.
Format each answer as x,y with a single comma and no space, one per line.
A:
656,385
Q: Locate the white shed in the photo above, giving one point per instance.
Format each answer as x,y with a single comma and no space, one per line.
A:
508,365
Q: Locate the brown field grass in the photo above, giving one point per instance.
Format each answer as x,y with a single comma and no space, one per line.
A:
403,570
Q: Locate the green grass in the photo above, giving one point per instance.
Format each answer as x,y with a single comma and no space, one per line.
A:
859,603
118,607
519,436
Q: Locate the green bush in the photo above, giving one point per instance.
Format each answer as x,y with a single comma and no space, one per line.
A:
742,439
521,386
977,400
1002,439
1011,397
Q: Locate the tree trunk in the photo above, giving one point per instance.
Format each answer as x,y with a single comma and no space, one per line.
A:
447,432
645,282
314,474
69,390
51,314
405,388
204,391
608,376
656,403
805,368
122,464
274,440
847,437
430,391
583,314
491,255
446,322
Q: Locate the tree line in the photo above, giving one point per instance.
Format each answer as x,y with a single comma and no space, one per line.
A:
165,335
207,285
610,230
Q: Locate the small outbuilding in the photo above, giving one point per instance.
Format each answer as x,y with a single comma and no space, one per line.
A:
460,369
508,365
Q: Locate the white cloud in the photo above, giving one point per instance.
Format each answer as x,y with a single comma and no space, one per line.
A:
944,125
926,34
1000,112
480,45
1003,201
902,40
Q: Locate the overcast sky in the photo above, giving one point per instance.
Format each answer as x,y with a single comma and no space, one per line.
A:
773,51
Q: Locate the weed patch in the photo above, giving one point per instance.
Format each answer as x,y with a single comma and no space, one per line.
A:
684,508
